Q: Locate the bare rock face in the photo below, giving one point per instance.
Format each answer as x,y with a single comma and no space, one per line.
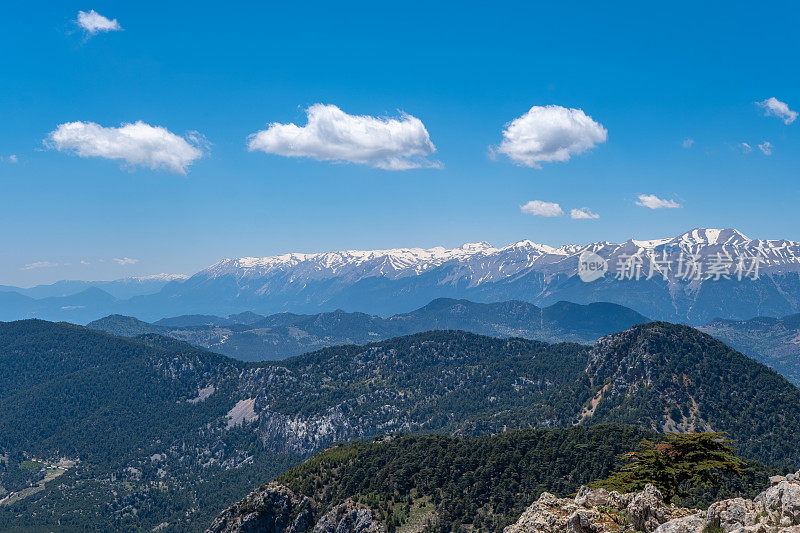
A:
597,511
782,501
647,510
734,513
349,517
545,515
584,522
687,524
777,509
592,497
271,508
274,508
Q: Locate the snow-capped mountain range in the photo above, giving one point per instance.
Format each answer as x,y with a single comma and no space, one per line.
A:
695,277
481,262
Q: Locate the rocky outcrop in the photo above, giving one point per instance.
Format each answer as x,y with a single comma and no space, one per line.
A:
647,510
776,510
271,508
596,511
349,517
274,508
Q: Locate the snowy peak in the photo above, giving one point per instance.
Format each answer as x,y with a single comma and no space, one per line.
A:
483,259
531,246
713,236
159,277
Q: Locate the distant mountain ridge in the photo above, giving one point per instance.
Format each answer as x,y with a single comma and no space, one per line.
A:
122,288
387,282
774,342
77,301
250,337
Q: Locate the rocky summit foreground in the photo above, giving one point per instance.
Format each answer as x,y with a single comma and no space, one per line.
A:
276,508
777,509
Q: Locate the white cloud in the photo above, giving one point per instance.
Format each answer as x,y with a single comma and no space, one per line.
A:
94,23
12,159
583,213
542,209
766,148
330,134
550,133
139,144
688,142
125,261
39,264
773,106
652,201
745,148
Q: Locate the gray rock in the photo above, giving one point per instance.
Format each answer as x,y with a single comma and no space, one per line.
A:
271,508
349,517
583,522
776,510
647,510
782,500
689,524
729,515
592,497
274,508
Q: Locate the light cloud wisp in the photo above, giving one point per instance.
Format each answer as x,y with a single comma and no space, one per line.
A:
136,144
93,22
583,214
651,201
330,134
774,107
542,209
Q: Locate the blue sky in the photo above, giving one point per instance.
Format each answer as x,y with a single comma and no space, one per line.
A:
651,77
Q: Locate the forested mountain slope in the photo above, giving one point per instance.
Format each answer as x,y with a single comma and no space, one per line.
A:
442,483
164,432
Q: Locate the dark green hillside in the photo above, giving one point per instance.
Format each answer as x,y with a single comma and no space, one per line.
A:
89,395
562,321
440,380
674,378
33,352
125,326
483,482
